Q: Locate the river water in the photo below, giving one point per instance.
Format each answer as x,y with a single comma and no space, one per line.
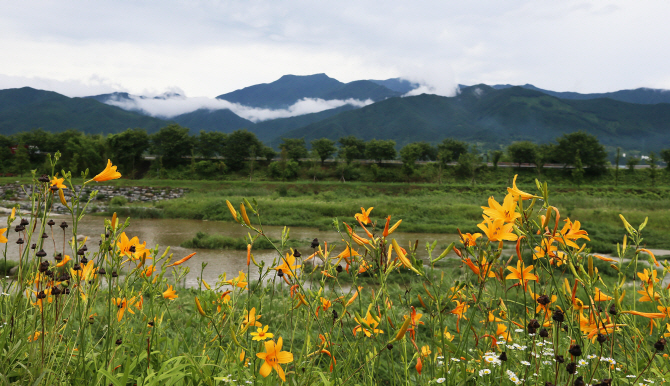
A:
172,232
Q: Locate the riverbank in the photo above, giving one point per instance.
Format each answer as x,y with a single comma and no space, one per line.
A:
424,208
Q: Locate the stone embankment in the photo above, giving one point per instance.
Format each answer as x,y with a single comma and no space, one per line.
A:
15,193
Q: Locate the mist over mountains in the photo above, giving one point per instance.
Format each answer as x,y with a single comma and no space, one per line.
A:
317,106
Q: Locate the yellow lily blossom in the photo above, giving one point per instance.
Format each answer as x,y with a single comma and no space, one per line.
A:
273,357
506,212
261,334
109,173
364,216
497,230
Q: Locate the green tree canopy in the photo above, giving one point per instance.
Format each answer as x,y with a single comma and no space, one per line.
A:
295,148
523,152
450,150
239,146
351,148
126,149
172,143
591,153
379,150
324,147
409,154
210,143
665,156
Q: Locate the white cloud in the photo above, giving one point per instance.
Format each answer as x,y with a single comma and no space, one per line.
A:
94,85
211,47
173,106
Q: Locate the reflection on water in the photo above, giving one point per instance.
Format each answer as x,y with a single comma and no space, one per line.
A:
168,232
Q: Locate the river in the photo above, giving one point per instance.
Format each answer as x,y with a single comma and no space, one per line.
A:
172,232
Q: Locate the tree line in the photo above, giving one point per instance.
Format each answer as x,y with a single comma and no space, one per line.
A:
209,153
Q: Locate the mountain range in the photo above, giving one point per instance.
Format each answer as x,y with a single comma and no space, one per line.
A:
488,115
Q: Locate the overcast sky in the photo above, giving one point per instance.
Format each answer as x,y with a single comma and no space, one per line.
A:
207,48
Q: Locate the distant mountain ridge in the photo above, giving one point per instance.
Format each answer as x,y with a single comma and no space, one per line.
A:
491,117
289,89
640,95
23,109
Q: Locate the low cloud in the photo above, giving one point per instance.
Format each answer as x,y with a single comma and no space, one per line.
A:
173,105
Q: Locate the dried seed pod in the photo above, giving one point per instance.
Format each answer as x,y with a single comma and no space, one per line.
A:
19,228
558,316
575,350
114,274
601,338
339,269
102,271
119,341
63,225
534,324
24,222
560,359
58,257
571,368
579,382
389,346
503,356
45,235
83,260
544,333
660,344
315,243
296,253
543,300
20,241
280,273
43,178
51,222
613,310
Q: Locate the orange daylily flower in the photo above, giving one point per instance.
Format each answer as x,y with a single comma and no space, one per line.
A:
547,249
109,173
469,240
58,183
325,305
364,216
261,334
649,295
178,262
414,320
599,296
497,230
65,260
87,272
502,331
288,266
370,321
170,293
480,271
124,304
522,273
571,231
273,356
3,239
506,211
251,319
459,310
514,191
387,231
649,277
239,281
124,245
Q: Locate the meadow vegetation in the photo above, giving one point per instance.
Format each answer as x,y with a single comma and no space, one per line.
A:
525,302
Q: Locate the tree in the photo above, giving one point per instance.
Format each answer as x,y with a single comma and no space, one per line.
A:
351,148
631,163
578,170
295,148
592,154
21,159
172,143
428,152
617,159
379,150
468,166
127,148
239,146
409,154
324,147
452,148
653,167
210,144
495,158
665,156
268,153
5,152
524,152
